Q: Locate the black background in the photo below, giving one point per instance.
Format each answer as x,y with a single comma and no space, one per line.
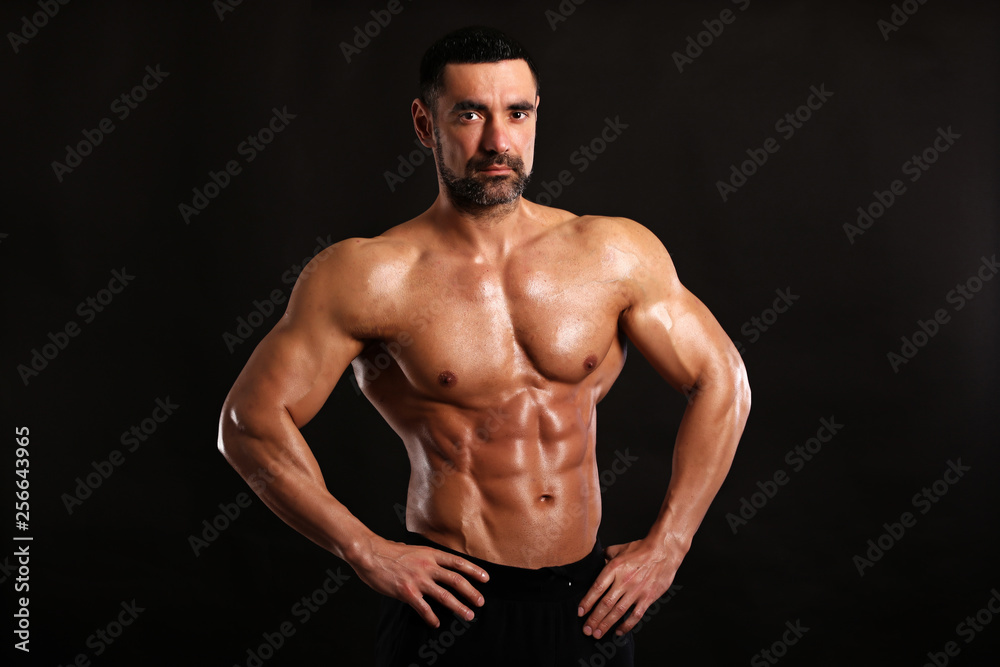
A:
323,177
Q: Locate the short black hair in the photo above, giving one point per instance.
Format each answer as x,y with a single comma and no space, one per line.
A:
475,44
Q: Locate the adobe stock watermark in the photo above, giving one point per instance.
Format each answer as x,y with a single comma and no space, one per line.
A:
779,648
696,44
796,458
223,7
923,501
621,464
30,25
407,165
914,168
364,34
122,106
958,297
582,158
756,326
433,649
88,309
105,636
7,568
900,14
968,629
22,616
213,527
131,439
263,309
563,11
786,126
248,149
302,611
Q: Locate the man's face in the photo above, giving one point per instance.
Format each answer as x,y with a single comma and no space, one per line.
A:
484,132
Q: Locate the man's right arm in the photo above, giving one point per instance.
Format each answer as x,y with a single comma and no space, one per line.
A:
283,385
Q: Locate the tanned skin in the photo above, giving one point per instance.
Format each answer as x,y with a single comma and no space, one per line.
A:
506,325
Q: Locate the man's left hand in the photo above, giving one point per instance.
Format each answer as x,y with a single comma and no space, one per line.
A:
637,573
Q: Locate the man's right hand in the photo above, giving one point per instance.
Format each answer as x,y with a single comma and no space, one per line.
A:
411,573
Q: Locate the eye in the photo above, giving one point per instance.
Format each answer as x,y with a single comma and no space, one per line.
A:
519,115
469,115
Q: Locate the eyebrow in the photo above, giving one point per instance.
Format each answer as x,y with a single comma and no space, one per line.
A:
470,105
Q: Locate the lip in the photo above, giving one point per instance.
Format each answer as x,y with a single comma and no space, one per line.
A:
496,170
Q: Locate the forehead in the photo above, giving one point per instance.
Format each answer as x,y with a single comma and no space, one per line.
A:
485,81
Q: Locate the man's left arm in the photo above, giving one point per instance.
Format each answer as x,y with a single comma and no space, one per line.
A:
678,335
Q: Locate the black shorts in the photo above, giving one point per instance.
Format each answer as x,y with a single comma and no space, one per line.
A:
529,619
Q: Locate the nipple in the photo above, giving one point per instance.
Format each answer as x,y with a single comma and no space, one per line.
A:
447,379
590,363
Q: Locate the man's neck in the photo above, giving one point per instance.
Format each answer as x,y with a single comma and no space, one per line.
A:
488,232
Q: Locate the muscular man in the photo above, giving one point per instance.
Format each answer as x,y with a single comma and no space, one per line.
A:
485,331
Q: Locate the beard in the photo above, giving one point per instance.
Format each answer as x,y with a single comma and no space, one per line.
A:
480,194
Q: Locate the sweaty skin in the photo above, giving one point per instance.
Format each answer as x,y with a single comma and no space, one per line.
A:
486,337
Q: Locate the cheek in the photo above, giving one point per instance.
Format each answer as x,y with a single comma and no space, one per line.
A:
528,153
458,152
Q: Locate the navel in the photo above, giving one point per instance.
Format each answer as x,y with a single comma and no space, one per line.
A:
447,379
545,498
590,363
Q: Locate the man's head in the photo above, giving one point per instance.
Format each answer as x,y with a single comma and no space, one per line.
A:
478,97
471,45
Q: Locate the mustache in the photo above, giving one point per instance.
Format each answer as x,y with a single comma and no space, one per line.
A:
500,160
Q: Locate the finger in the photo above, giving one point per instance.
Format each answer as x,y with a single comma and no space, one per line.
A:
613,551
616,608
604,615
419,604
453,562
451,602
461,585
633,619
596,590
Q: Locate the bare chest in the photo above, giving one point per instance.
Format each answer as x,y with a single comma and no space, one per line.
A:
475,331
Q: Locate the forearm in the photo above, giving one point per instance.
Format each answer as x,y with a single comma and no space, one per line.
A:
706,443
269,452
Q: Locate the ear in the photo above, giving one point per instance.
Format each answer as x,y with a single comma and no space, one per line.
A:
423,122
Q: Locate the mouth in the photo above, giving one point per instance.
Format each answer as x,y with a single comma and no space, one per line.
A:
496,170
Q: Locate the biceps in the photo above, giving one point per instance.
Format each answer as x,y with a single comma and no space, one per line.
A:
679,336
294,369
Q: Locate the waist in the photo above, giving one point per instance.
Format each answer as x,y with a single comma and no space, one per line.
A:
554,582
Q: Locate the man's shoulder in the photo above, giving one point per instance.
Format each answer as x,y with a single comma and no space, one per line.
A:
359,257
628,249
357,281
622,232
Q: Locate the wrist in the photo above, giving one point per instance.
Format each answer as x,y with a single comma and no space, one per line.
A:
357,550
669,538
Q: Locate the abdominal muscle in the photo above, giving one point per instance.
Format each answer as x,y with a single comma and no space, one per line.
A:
515,484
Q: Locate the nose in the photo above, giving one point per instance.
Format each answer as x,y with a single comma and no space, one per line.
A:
495,137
